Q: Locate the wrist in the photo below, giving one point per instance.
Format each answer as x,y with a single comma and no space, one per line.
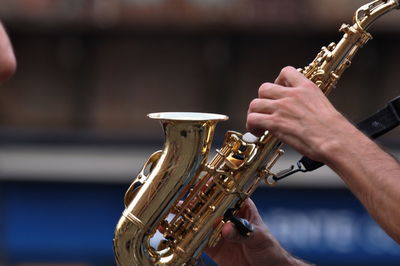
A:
339,140
345,147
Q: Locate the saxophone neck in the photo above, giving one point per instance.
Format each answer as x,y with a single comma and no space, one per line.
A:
329,65
368,13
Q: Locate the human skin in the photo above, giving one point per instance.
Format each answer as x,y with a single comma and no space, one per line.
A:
296,111
8,62
260,248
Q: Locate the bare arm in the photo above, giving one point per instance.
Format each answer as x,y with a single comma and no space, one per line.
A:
371,174
298,113
8,63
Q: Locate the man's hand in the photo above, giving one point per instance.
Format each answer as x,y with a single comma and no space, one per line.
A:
260,248
296,111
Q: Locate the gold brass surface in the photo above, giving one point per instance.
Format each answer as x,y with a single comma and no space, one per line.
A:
179,199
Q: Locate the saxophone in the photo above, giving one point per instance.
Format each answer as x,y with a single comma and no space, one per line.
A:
177,204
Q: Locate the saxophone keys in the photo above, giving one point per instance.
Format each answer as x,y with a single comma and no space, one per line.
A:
345,28
216,235
331,46
275,158
244,227
265,173
270,180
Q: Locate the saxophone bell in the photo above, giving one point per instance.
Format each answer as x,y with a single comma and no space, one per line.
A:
165,179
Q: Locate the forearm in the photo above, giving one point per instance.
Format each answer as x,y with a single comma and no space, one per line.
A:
370,173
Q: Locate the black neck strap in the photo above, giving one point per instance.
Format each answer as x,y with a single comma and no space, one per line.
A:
374,126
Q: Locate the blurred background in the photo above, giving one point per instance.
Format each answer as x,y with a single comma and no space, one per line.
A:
74,131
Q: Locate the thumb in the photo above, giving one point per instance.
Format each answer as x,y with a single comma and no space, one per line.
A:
261,238
230,233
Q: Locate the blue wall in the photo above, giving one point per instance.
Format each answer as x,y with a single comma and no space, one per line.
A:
67,222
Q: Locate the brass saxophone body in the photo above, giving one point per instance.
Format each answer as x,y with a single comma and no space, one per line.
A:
180,200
